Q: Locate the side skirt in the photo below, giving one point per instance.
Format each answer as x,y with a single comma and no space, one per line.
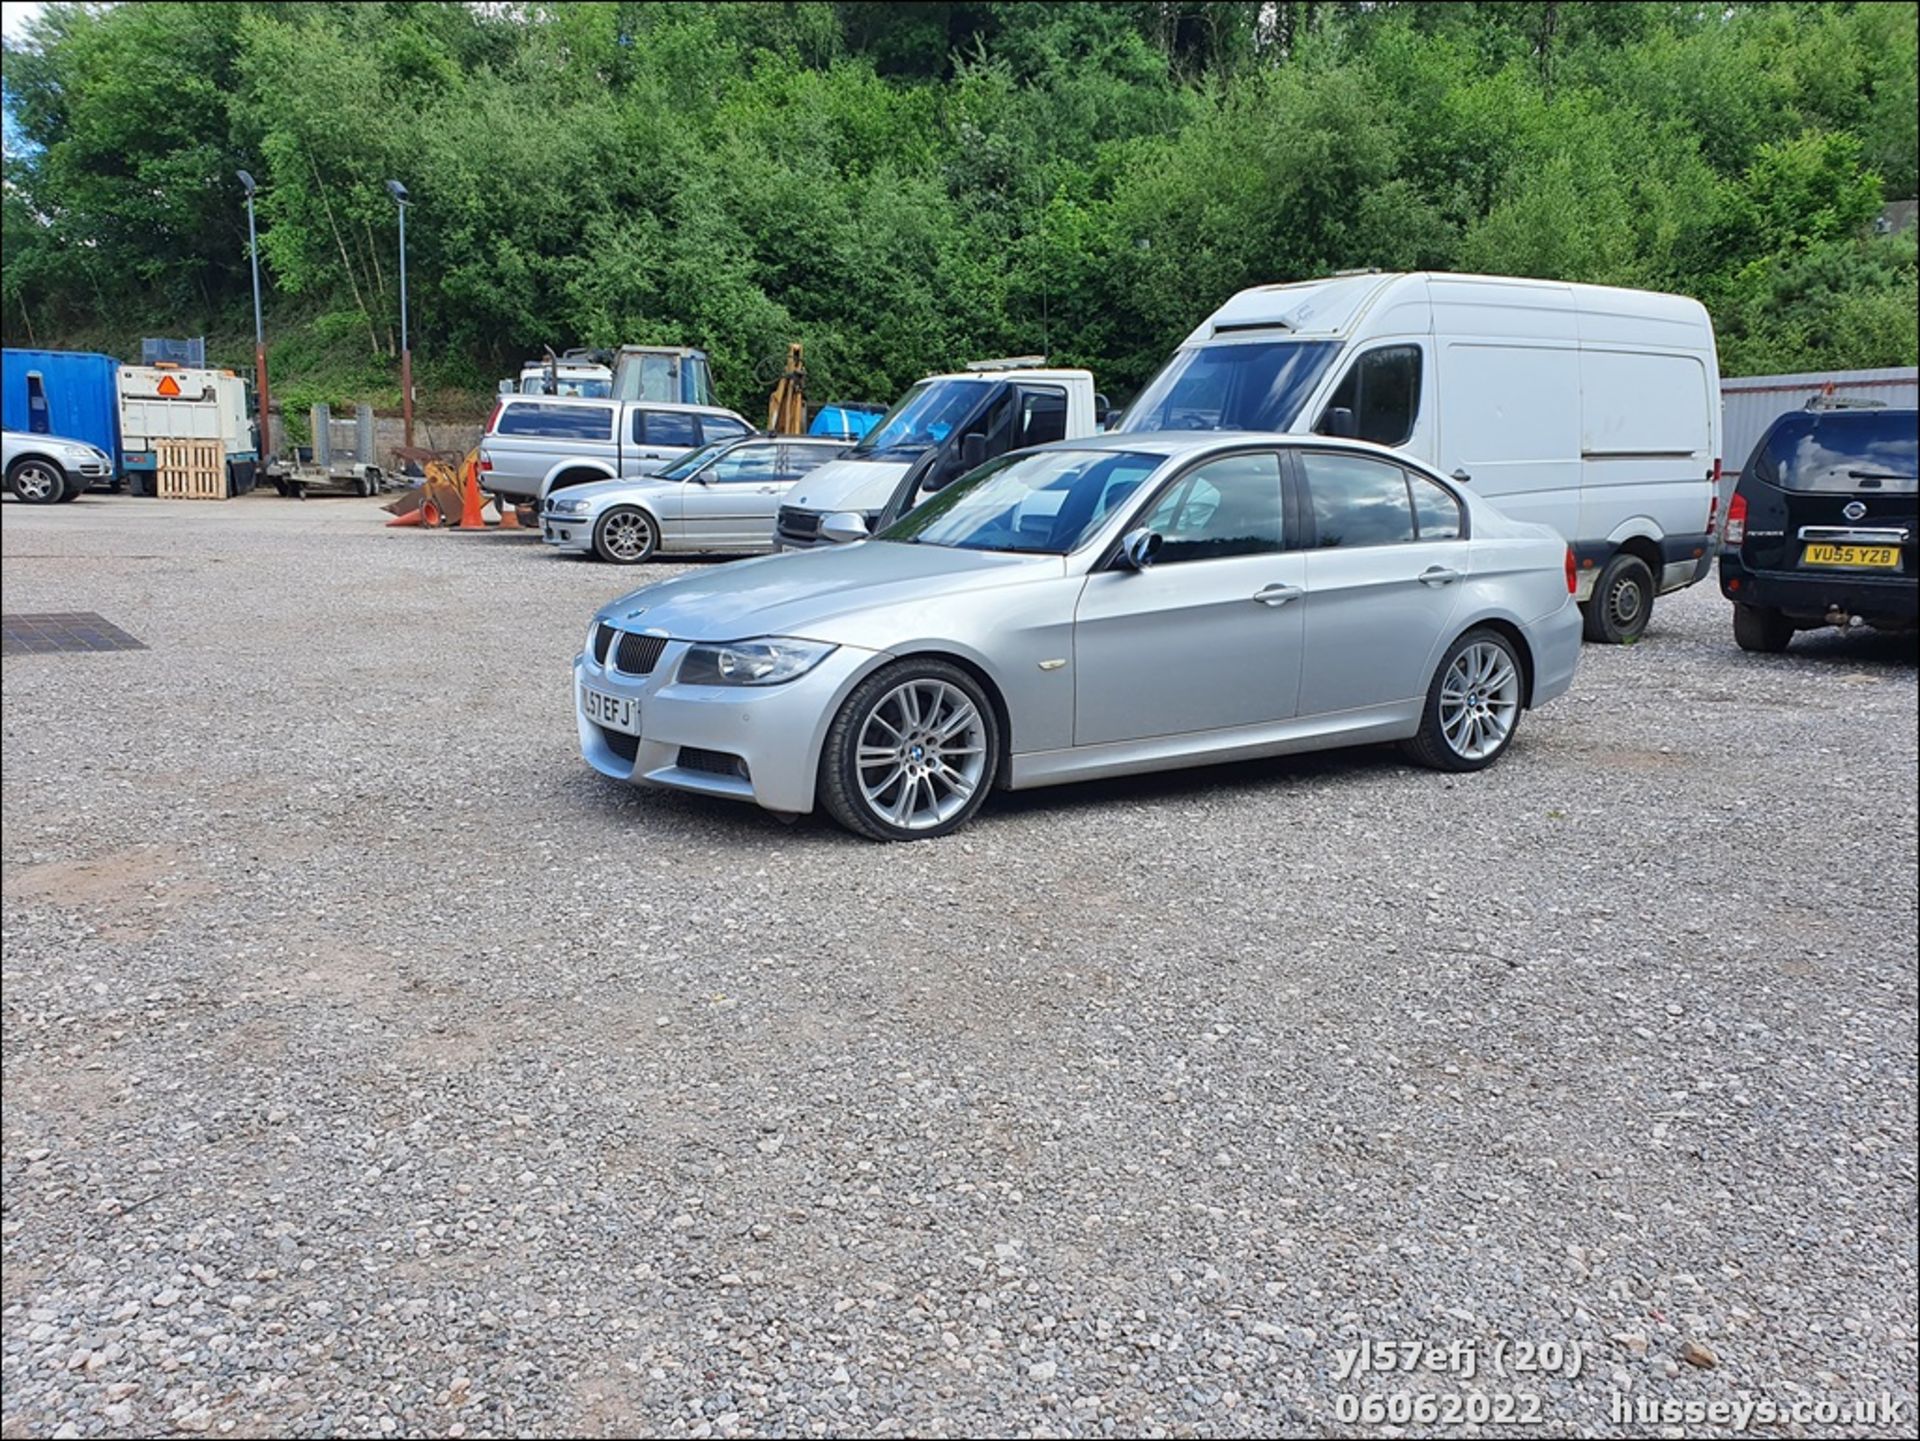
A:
1364,726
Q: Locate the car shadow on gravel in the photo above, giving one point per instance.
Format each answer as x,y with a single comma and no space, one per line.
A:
1890,649
1270,776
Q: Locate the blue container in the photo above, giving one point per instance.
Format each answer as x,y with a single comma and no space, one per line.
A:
845,422
62,392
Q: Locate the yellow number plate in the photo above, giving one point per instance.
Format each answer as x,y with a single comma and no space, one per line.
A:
1880,557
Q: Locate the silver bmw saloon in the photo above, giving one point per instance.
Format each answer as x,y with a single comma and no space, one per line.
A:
1096,607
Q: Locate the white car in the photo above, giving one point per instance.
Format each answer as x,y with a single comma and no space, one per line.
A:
721,497
42,469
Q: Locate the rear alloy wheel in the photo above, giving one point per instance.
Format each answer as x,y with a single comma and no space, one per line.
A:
912,753
1759,628
625,536
1473,706
36,481
1622,601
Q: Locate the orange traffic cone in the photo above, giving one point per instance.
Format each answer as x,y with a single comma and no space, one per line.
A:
471,504
412,517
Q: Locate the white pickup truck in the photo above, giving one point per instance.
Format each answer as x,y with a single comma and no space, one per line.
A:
943,427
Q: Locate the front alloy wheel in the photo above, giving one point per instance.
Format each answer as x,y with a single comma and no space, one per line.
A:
37,482
1473,706
911,754
625,536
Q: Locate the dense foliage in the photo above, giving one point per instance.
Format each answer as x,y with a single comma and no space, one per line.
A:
907,186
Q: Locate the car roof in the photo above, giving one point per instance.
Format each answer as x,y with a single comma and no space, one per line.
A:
1186,443
518,399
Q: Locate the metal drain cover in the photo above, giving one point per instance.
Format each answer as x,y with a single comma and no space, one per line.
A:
52,632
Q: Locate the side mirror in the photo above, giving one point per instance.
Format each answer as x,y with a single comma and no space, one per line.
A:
1138,548
505,387
844,526
1338,422
973,450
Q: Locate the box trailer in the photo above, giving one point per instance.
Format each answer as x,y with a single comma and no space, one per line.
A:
66,393
160,403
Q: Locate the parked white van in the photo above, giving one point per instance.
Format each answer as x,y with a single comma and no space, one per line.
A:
1593,410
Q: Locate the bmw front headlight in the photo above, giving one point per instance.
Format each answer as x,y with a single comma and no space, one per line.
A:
569,507
770,660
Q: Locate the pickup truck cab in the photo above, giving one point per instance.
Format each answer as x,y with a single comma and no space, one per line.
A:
536,444
944,426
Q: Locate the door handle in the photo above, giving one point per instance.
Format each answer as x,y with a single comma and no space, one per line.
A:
1277,594
1438,575
1460,474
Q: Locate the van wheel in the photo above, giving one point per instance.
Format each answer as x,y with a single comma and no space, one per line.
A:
912,753
36,481
1762,629
1622,602
1473,705
625,536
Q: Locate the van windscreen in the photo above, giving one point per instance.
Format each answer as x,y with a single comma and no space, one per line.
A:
1258,386
1861,450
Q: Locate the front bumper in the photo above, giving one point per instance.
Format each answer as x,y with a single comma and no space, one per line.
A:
690,734
567,532
1555,642
1809,596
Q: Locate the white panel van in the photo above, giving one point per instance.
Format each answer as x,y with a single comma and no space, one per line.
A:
1590,409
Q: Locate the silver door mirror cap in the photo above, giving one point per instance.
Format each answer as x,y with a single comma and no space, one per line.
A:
844,526
1138,548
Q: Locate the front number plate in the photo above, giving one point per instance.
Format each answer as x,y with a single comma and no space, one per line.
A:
615,712
1874,557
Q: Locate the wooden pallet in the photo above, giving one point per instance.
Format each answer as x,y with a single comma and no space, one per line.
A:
190,470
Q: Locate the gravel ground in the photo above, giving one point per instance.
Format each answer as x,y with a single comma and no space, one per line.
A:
373,1067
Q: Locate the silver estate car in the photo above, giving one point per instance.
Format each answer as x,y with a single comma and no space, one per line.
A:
1095,607
41,469
721,497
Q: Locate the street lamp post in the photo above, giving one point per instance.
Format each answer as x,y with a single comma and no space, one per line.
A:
264,441
399,194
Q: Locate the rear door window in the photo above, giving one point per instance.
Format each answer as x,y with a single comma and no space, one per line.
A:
1863,451
666,427
548,421
1357,500
798,460
1436,512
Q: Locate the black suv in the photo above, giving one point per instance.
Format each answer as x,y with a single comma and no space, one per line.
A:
1820,529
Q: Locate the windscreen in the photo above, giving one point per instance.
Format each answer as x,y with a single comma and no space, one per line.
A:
1231,386
1041,501
1860,450
923,417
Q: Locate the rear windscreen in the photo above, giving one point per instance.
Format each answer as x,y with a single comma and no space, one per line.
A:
556,422
1863,450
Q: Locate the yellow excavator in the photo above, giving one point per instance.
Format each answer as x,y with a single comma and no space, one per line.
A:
787,407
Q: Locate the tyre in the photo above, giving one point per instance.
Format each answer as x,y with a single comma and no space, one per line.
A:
1622,602
912,753
75,487
36,481
625,536
1473,706
1758,628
